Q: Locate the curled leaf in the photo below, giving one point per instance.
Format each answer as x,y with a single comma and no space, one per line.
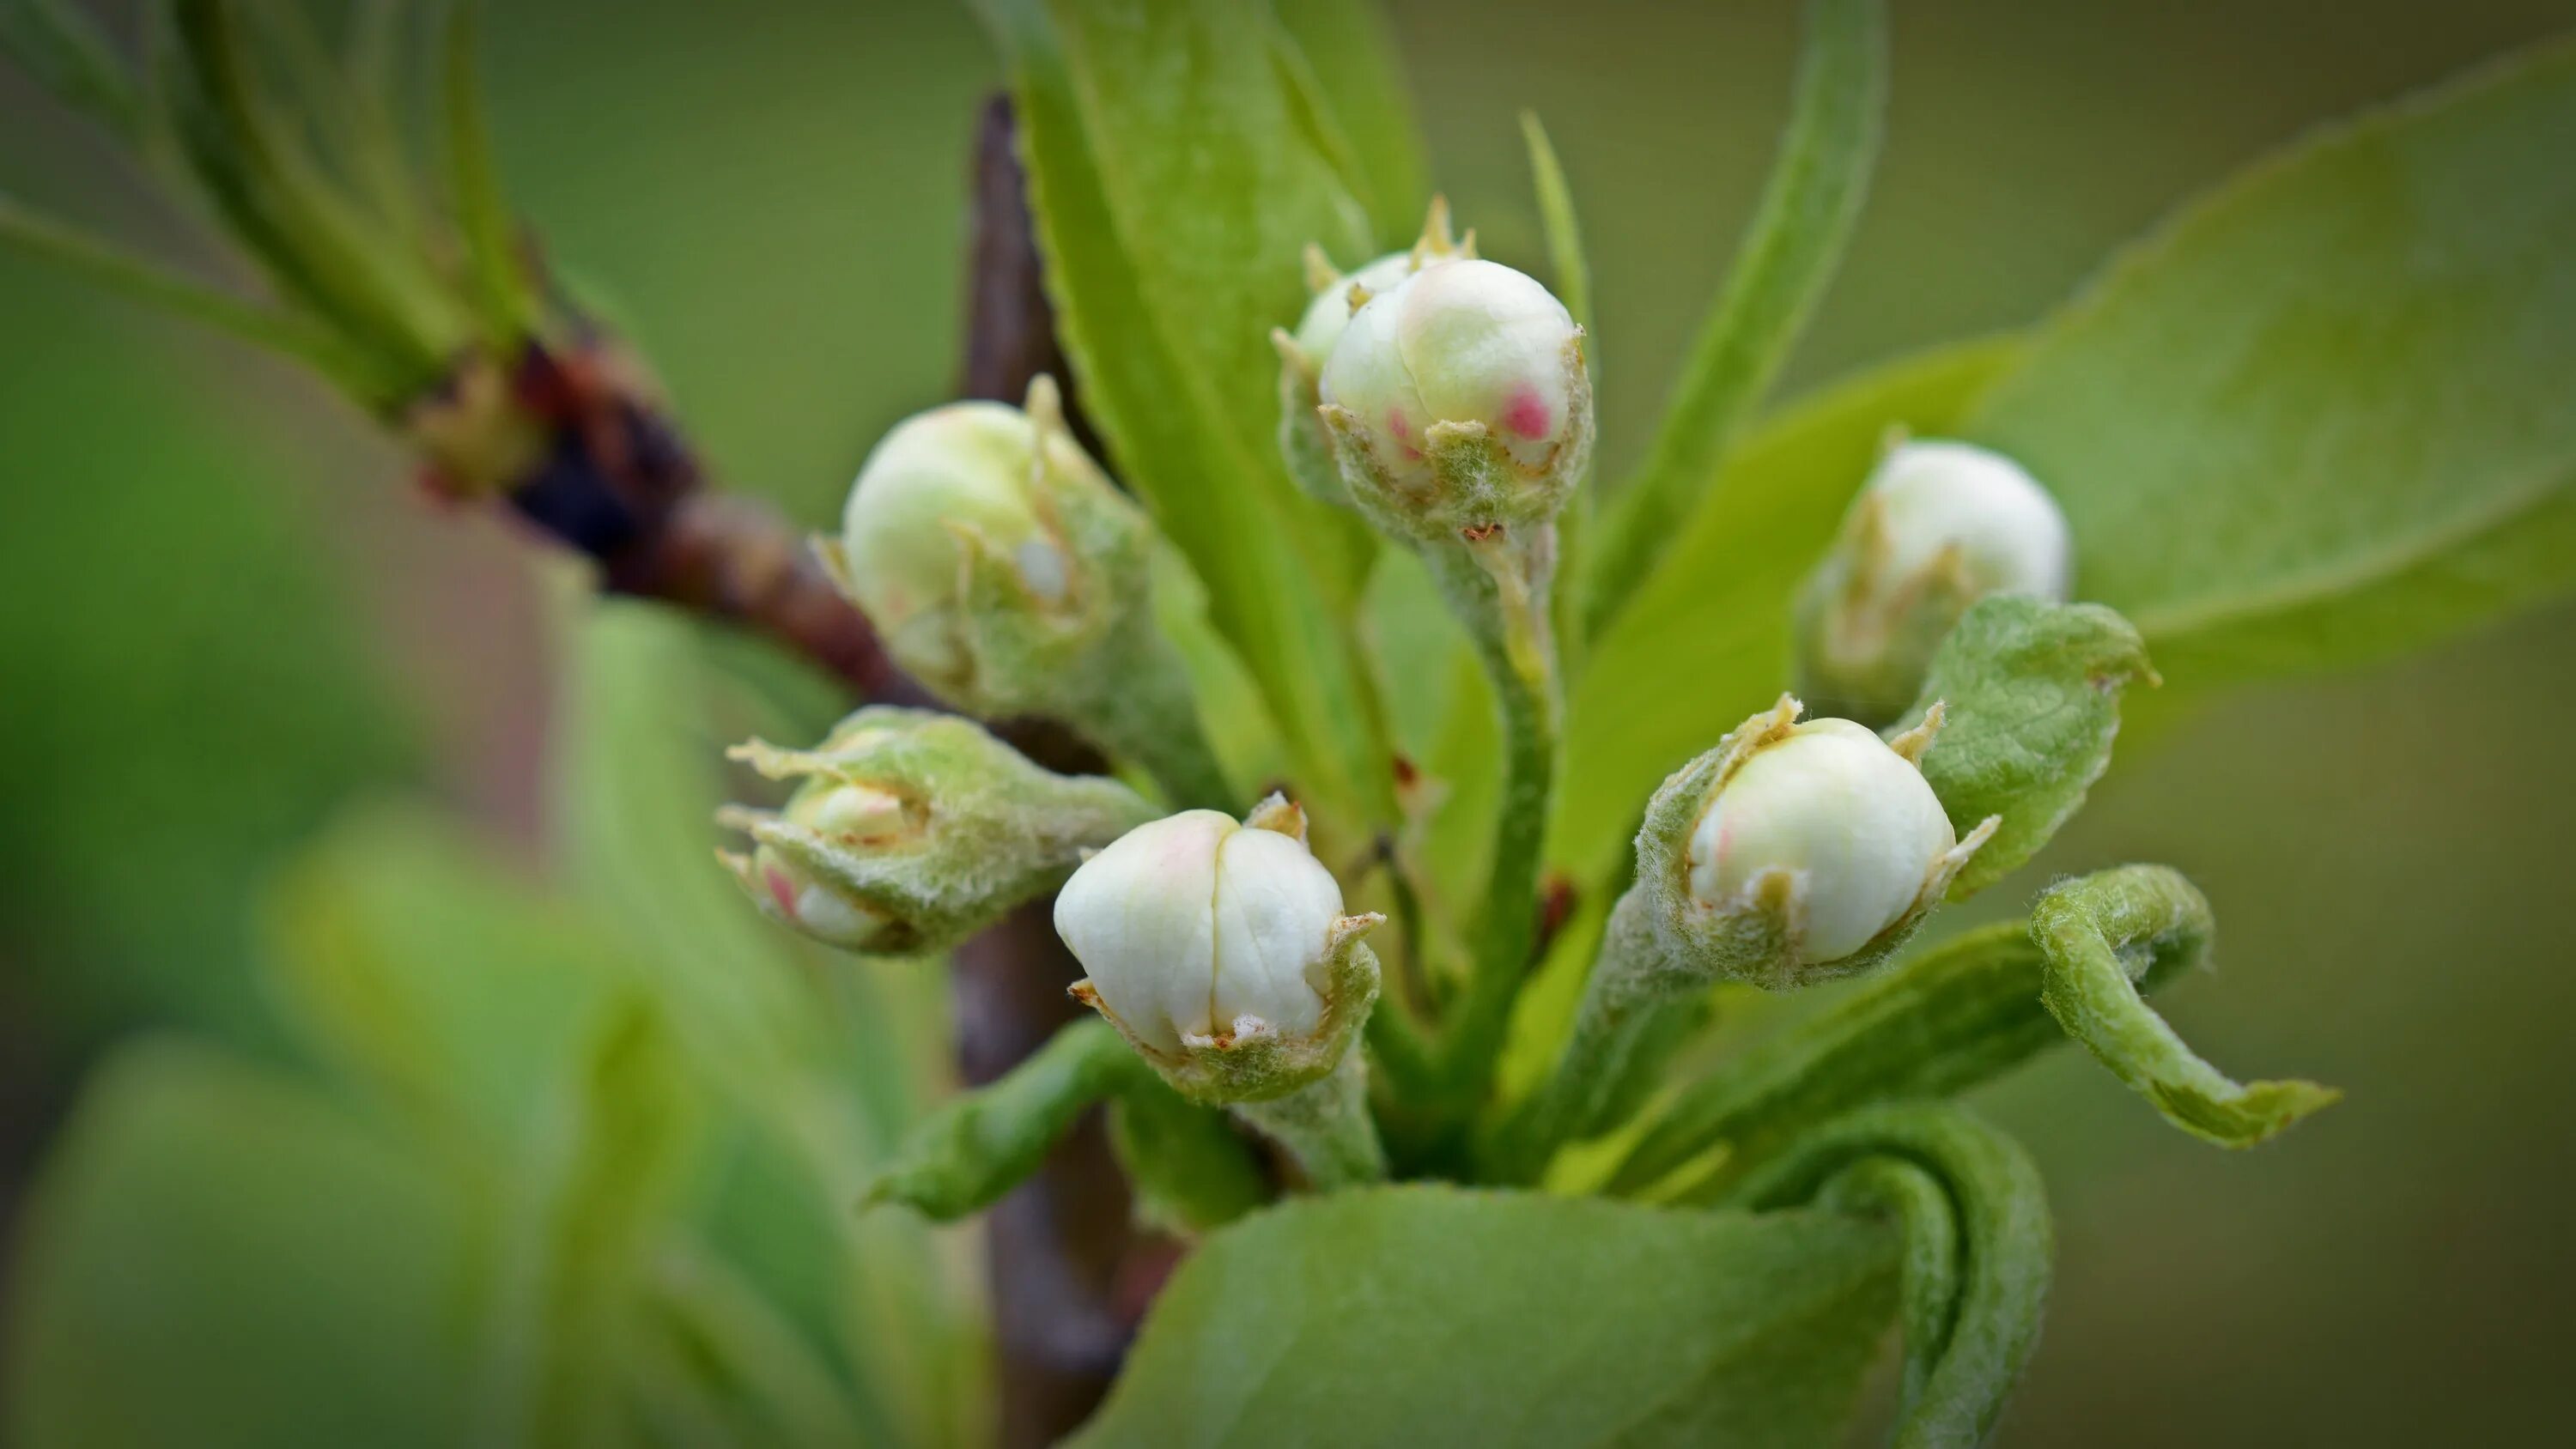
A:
1977,1249
2109,935
2031,693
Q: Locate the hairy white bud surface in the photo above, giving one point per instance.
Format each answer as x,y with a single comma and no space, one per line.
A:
1797,852
1220,949
1459,400
1939,526
1849,823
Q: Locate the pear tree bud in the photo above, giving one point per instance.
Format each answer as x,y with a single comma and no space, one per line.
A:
1458,403
909,830
1220,951
1795,853
992,555
1939,526
1304,441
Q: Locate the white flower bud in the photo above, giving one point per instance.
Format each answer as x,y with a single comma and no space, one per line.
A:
1331,311
1458,401
989,551
1795,852
1849,822
1939,526
859,816
1220,950
1304,441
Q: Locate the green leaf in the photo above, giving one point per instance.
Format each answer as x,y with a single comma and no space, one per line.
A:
484,223
1343,48
578,1260
215,1255
420,969
1960,1014
1707,641
1191,1172
1788,254
1175,190
983,1143
1977,1252
2030,696
2321,416
1417,1315
2107,936
292,335
64,52
822,1059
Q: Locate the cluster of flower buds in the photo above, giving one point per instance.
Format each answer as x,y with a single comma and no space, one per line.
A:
1938,526
1220,951
910,829
1795,853
993,556
1456,398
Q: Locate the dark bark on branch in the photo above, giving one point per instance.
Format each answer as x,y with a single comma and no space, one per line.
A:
619,484
1061,1247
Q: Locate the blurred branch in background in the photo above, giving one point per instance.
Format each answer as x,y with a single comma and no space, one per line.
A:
1070,1275
416,296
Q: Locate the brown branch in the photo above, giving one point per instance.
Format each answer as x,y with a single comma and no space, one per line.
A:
1062,1246
617,482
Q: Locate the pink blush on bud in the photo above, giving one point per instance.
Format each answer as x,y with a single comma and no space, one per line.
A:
1402,431
781,890
1526,413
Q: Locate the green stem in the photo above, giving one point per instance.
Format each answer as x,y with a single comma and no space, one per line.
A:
1499,588
980,1145
1325,1125
1623,1032
1150,718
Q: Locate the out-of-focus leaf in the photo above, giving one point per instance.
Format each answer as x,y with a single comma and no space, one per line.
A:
590,1219
417,966
2107,937
1790,250
1344,47
823,1058
2322,416
218,1256
720,1367
64,52
2030,697
1706,641
173,615
1175,190
1413,1315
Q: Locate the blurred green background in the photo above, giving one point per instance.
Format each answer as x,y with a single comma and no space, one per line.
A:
223,614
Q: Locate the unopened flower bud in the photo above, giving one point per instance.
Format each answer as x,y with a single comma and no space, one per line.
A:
1794,852
1304,441
992,555
1939,526
910,829
1458,402
1221,952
